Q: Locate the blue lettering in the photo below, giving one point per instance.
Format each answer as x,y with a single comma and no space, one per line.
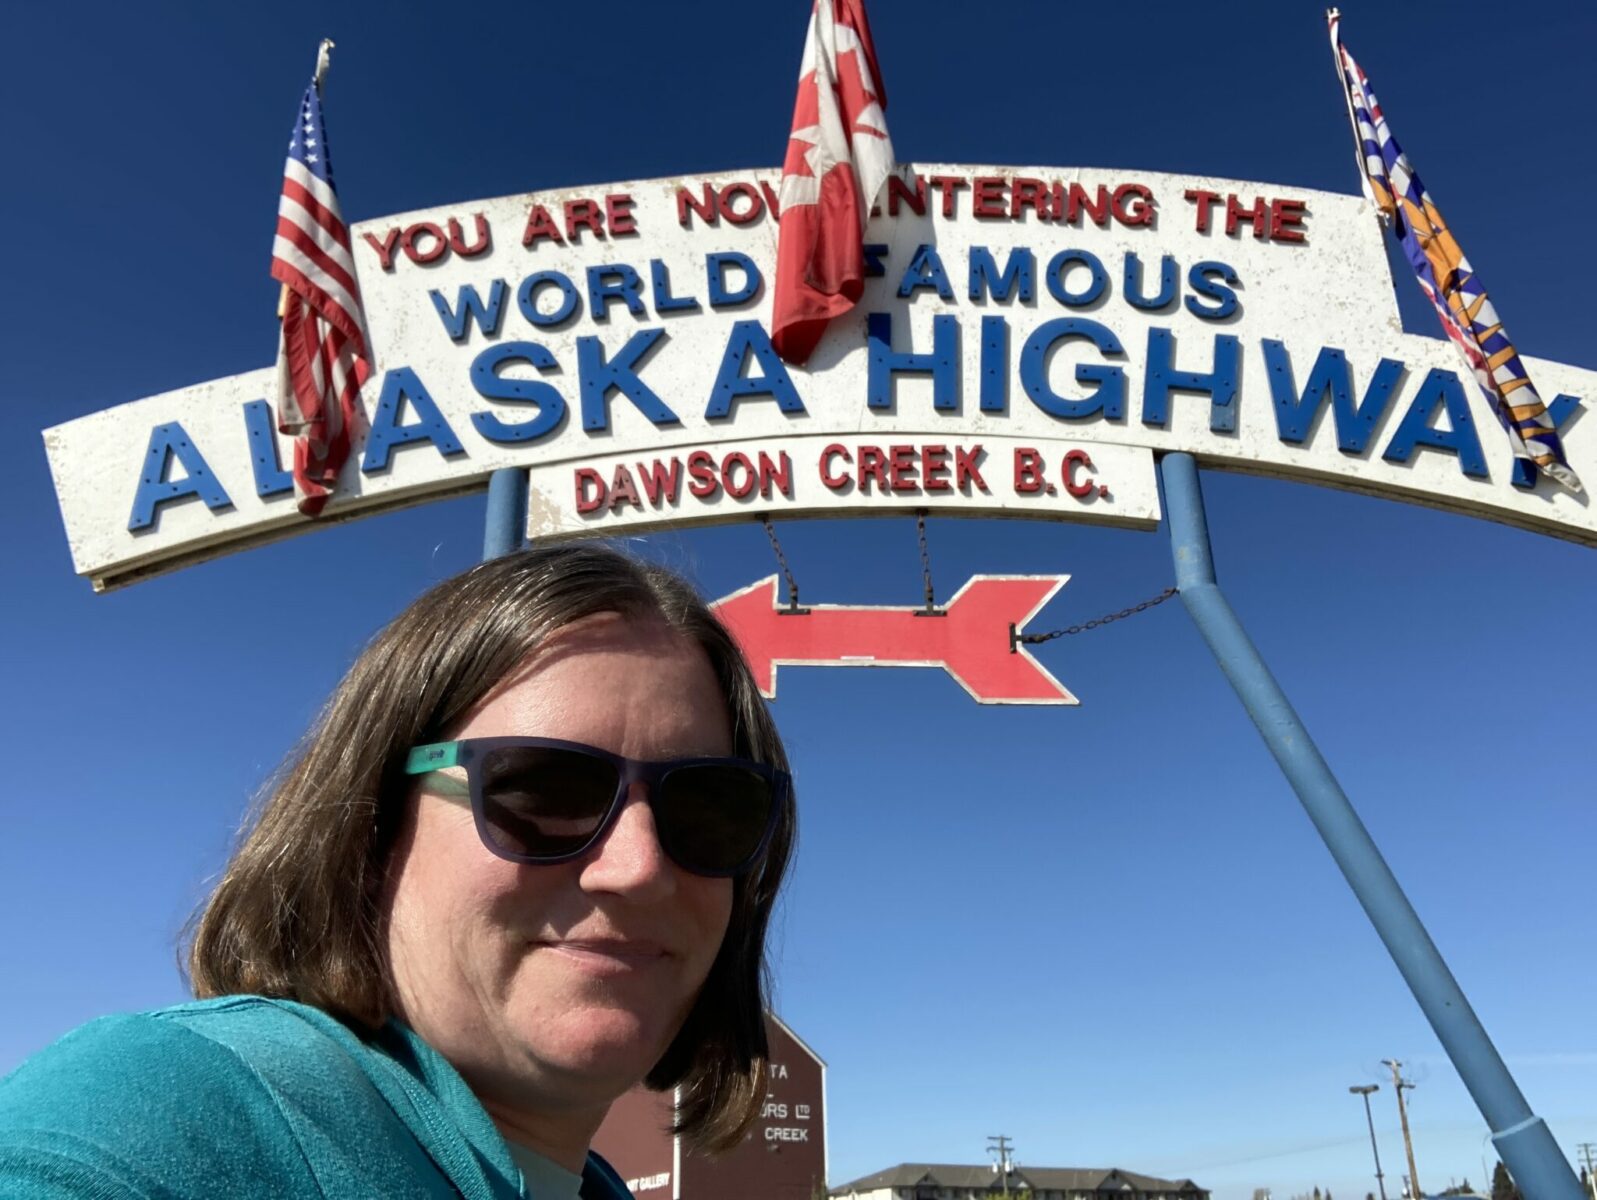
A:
925,270
1108,398
157,487
1132,275
1198,279
1219,384
731,385
715,266
1295,415
1060,263
270,478
994,364
1440,388
886,364
490,385
614,281
660,284
527,298
469,307
1020,270
402,387
598,377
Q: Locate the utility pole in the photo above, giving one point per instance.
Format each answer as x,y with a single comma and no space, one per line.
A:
1588,1159
1399,1083
999,1144
1365,1091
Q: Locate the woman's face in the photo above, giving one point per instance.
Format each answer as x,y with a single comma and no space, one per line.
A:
556,988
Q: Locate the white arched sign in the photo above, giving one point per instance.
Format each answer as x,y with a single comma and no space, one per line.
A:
1028,341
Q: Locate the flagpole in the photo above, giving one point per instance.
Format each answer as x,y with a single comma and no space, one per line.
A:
324,60
1333,19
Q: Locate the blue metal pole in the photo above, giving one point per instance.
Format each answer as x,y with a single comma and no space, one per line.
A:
1523,1140
507,512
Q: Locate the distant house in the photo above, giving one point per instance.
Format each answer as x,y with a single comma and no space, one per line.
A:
941,1181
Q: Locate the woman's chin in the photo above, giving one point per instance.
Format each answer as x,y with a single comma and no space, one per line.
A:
598,1041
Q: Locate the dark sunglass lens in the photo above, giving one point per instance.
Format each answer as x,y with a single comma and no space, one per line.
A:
543,801
712,816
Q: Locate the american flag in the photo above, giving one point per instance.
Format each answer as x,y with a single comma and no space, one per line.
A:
325,355
1445,275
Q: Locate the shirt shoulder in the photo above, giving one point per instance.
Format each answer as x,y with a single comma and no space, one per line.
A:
136,1105
211,1098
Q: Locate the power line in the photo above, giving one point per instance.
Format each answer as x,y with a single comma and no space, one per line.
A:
998,1143
1399,1084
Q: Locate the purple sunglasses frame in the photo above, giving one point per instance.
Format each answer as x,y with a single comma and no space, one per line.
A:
469,754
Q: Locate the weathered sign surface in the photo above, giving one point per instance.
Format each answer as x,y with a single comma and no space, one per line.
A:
1030,339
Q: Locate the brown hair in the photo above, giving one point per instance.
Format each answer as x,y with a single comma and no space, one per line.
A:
296,912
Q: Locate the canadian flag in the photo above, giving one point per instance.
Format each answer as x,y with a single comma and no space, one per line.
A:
838,158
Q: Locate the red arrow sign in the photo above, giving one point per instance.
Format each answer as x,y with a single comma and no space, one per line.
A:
970,641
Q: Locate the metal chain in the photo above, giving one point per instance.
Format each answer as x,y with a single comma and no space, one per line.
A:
1017,638
925,559
781,559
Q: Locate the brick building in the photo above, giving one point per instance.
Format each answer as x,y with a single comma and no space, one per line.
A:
783,1157
941,1181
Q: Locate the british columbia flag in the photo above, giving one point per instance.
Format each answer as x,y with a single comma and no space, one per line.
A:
1466,312
324,356
838,159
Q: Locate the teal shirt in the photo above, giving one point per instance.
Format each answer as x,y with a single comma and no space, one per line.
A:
245,1096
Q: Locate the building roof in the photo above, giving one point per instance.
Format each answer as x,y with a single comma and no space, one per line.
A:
981,1176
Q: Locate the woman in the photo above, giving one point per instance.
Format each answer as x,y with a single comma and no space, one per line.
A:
524,861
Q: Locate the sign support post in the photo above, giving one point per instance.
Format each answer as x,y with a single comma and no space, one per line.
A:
1522,1138
507,512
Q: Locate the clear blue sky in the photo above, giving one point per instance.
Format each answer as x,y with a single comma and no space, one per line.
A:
1108,932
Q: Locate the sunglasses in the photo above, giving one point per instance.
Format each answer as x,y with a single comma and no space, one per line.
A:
542,800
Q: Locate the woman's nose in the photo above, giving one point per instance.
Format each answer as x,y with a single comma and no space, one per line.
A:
629,859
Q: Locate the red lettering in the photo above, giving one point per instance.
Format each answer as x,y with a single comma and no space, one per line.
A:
457,237
1205,201
773,202
1286,220
872,465
1076,201
385,248
583,214
901,469
541,225
934,468
967,467
777,474
705,206
748,192
661,480
1078,487
1140,208
750,481
1029,193
898,190
836,450
590,490
988,199
947,185
410,244
701,469
1028,470
618,214
1257,216
622,489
